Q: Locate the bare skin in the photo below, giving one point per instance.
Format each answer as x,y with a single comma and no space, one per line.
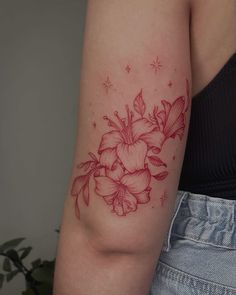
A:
140,61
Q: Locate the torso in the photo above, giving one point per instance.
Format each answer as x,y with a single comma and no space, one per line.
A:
213,38
209,165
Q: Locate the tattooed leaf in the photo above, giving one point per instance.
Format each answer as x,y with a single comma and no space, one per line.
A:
86,193
78,184
156,161
86,165
139,104
161,176
77,210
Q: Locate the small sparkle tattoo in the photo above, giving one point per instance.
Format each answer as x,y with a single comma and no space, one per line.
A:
163,198
128,68
170,84
156,65
107,84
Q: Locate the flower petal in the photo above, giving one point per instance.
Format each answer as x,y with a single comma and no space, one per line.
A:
140,127
105,186
143,197
137,182
118,207
176,110
124,203
133,155
154,139
179,132
110,140
177,128
129,203
108,158
116,172
109,199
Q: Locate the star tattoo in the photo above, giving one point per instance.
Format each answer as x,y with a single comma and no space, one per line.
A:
156,65
128,68
107,84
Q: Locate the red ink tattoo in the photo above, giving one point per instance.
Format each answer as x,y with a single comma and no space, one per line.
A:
170,84
163,199
128,68
121,170
161,176
156,161
107,84
156,64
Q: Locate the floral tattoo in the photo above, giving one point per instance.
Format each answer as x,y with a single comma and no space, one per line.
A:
121,168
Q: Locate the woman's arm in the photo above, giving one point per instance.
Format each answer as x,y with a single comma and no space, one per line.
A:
133,120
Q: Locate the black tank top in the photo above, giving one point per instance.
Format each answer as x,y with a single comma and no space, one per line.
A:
209,165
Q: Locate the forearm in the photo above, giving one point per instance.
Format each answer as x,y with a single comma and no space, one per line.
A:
133,121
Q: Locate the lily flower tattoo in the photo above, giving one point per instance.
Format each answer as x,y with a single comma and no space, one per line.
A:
121,169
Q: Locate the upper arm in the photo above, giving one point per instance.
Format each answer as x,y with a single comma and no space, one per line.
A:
132,128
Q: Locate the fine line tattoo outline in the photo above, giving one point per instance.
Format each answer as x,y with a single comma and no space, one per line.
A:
156,65
121,170
107,84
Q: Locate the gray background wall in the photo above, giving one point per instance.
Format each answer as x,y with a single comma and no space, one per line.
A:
40,56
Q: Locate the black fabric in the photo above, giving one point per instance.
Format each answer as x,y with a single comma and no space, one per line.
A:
209,165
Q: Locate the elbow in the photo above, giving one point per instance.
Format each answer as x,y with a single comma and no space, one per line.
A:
121,235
